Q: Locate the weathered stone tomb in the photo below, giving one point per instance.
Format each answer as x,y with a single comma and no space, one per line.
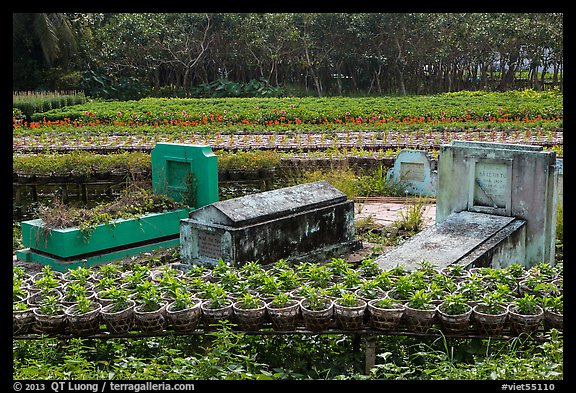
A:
280,224
496,205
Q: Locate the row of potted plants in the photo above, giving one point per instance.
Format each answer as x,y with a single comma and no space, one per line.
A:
310,295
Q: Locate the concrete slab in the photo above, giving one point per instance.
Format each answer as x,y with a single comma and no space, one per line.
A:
447,242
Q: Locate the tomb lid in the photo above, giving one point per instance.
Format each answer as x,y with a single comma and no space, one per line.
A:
493,145
268,205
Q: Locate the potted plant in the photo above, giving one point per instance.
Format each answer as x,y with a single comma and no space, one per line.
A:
517,271
369,290
454,313
50,316
525,314
19,294
46,279
283,312
385,313
553,312
368,268
337,267
455,271
79,274
349,311
217,306
73,290
420,311
22,318
351,279
109,270
490,314
317,311
84,316
288,280
38,297
470,289
403,288
118,313
149,312
249,312
184,312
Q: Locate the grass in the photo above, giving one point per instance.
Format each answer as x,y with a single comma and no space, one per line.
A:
228,355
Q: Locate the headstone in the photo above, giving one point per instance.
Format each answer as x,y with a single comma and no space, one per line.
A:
415,171
503,179
186,173
495,206
268,226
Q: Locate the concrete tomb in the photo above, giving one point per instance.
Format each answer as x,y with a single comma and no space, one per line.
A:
415,171
187,173
495,205
288,223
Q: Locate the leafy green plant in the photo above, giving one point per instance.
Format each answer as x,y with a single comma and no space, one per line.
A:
50,305
420,300
18,293
526,305
412,218
149,298
554,304
454,304
281,300
73,291
249,301
313,299
82,305
119,299
338,266
388,303
216,296
492,303
348,299
80,274
403,288
182,299
20,306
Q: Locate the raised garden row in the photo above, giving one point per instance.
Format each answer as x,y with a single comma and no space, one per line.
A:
88,301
